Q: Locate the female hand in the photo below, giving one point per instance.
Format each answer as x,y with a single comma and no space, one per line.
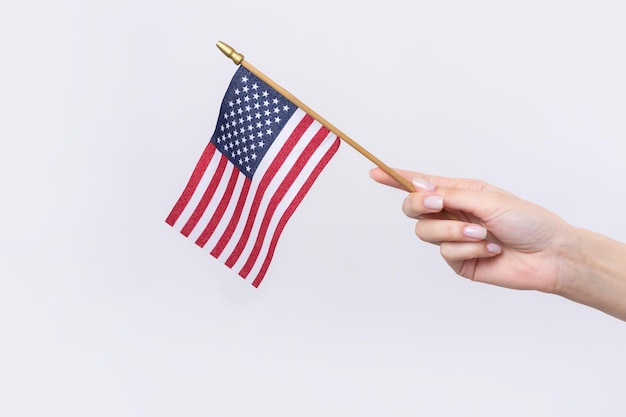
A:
493,237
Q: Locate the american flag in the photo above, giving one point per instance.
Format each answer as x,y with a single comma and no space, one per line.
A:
261,161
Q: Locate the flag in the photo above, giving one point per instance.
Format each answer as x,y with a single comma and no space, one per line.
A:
262,159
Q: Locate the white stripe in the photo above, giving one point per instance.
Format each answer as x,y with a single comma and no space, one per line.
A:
317,156
228,213
282,138
199,191
276,182
212,206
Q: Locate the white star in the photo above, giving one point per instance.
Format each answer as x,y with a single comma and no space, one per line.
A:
266,103
270,131
285,108
275,101
237,91
276,119
261,144
265,93
244,79
255,86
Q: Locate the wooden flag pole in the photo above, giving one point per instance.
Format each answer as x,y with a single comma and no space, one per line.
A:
238,59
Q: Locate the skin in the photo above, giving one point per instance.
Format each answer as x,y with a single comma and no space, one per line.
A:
490,235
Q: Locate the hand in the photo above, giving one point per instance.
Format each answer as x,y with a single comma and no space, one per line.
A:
495,237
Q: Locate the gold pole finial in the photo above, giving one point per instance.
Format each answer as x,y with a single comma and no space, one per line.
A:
230,52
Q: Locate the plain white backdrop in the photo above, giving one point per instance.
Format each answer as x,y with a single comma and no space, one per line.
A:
106,311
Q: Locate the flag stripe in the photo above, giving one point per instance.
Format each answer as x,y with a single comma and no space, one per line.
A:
265,182
292,208
284,205
234,220
220,210
192,184
282,190
199,192
205,200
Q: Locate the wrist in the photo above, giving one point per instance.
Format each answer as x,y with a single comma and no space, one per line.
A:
592,272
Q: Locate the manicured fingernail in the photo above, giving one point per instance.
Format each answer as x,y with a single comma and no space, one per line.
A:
423,184
433,202
494,248
475,231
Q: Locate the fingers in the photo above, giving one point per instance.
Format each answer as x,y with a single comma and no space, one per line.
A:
436,231
461,251
381,177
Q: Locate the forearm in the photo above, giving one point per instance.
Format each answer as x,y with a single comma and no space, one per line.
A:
594,272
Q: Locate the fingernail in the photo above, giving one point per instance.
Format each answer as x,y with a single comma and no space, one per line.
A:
475,232
494,248
433,202
423,184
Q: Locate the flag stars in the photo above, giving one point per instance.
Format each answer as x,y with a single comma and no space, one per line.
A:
251,118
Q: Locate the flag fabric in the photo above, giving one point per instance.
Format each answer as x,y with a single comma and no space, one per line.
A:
262,159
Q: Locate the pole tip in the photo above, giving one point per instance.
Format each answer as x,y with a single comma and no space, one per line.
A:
230,52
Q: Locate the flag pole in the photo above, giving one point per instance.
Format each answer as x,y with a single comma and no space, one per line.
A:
239,60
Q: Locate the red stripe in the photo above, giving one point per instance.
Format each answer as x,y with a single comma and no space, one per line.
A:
280,193
292,207
192,184
206,198
264,183
232,224
219,211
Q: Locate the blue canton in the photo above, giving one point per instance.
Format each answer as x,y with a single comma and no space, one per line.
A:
251,117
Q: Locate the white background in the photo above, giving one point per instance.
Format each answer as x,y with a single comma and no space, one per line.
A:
106,311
